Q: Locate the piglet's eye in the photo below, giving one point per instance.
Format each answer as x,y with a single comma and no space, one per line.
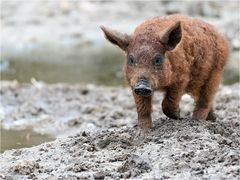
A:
158,60
130,60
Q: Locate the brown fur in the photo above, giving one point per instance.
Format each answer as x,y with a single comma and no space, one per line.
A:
194,65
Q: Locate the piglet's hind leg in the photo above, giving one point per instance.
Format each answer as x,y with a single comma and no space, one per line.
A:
204,102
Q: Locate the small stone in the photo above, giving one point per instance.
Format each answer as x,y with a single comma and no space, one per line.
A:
99,175
103,143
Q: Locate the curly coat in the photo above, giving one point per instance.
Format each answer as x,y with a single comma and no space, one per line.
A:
194,57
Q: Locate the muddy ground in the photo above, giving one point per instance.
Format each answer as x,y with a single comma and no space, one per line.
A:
105,141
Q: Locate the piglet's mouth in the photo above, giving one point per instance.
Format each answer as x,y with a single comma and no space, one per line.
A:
142,88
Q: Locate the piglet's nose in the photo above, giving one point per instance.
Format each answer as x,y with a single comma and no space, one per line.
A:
142,88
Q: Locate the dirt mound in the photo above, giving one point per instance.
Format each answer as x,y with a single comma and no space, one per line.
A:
180,149
173,149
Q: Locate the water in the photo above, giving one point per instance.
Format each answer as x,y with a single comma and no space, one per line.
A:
95,65
15,139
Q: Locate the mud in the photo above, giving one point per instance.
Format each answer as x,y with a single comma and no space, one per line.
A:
105,141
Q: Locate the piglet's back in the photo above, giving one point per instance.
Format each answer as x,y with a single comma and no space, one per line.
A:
200,40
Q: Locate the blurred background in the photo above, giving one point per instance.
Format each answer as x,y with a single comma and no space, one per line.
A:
60,40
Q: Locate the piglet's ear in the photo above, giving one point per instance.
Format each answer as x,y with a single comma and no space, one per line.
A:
171,36
115,37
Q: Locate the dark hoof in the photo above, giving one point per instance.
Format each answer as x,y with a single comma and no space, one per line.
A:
211,116
173,115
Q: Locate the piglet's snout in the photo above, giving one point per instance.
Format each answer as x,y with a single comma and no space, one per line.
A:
142,88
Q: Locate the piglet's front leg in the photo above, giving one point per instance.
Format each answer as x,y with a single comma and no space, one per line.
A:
144,106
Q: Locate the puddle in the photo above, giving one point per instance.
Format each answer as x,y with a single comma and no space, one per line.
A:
13,139
97,65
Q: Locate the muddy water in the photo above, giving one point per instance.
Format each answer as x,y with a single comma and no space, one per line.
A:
94,65
13,139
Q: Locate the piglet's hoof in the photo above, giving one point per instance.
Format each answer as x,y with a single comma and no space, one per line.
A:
211,116
141,135
170,112
200,114
145,123
173,115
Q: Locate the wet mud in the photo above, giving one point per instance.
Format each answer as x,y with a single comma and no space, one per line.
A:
105,142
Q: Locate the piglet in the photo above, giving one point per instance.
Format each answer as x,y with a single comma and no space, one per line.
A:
175,54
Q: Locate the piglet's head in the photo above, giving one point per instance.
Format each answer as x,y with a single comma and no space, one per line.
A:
146,67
